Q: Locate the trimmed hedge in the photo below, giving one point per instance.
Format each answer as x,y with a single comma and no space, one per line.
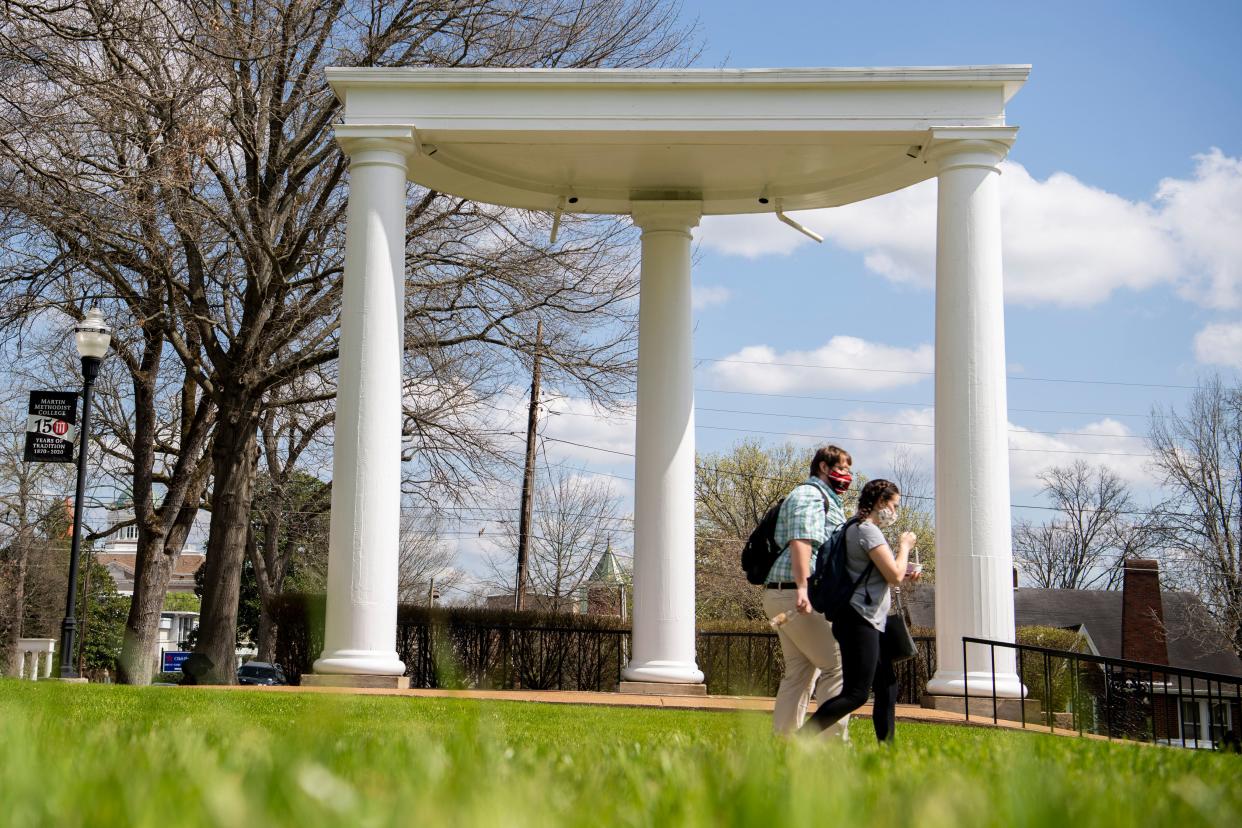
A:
471,647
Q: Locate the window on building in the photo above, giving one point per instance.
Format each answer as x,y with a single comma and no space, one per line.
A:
1190,720
1205,721
1220,720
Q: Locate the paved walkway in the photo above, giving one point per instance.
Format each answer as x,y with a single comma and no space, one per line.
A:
905,712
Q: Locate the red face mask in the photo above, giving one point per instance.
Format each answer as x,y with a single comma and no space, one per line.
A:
839,482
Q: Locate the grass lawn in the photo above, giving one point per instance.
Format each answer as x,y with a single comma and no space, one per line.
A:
96,755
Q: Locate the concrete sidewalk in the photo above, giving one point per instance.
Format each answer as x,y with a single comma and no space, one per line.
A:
905,712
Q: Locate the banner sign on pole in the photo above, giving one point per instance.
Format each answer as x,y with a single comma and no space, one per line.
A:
51,426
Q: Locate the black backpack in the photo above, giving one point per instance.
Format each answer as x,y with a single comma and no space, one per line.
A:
761,551
830,586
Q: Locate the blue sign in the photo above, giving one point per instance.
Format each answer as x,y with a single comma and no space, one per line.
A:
173,660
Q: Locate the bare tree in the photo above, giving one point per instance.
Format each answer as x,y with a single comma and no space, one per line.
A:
1198,454
174,161
425,563
1096,530
732,492
290,508
917,512
576,517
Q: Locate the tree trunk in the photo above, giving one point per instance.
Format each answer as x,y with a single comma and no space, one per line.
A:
268,630
162,532
234,455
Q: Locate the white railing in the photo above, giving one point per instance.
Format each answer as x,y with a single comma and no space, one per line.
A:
32,650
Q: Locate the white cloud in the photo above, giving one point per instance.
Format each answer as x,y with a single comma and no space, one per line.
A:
1220,344
1065,242
1105,442
1204,214
705,296
756,368
874,437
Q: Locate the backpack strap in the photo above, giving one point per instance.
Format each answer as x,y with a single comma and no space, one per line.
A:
866,570
782,504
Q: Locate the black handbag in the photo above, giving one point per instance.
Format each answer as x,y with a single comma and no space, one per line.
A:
896,641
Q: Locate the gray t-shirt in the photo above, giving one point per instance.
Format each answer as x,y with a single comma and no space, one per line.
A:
860,538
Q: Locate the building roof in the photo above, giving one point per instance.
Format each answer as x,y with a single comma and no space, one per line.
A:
187,562
608,570
1191,643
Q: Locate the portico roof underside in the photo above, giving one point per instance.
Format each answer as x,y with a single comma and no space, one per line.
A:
737,141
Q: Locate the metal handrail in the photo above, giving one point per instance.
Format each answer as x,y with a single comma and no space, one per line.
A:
1130,685
1128,664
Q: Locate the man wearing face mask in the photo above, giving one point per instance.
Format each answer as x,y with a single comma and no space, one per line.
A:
807,518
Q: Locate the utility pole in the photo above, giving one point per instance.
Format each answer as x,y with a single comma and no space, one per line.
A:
528,477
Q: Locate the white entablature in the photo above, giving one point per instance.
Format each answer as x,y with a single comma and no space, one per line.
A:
725,137
667,147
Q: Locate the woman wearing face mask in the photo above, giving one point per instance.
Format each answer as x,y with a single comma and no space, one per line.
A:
873,565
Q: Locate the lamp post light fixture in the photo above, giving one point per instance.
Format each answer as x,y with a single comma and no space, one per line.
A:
93,337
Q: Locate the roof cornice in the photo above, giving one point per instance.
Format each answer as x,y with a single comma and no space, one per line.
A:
1010,75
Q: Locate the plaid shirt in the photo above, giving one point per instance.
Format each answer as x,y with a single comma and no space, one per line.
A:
803,516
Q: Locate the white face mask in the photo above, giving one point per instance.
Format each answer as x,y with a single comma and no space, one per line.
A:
885,517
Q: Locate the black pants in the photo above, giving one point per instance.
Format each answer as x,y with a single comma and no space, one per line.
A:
865,667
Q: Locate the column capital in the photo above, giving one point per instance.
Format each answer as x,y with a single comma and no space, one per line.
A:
953,147
356,139
668,216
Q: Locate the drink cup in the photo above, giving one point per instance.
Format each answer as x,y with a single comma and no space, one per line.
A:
914,568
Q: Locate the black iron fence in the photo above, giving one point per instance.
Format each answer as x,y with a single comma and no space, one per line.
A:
543,656
1118,698
551,657
493,649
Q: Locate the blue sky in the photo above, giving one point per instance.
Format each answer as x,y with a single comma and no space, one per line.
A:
1123,223
1121,98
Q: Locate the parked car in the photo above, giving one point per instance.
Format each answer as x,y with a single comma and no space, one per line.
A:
260,672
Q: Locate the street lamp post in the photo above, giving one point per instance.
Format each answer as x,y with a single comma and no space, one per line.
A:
93,337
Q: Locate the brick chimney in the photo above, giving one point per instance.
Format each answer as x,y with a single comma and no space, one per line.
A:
1142,614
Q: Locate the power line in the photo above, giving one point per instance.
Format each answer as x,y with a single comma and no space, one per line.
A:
933,373
907,403
905,496
868,422
909,443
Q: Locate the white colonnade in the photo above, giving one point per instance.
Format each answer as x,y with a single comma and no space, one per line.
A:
361,626
974,558
807,138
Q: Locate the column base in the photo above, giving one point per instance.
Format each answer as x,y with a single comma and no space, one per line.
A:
663,672
75,680
953,683
356,680
1009,710
360,662
661,688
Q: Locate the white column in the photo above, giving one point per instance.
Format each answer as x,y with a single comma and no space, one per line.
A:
361,625
974,558
663,620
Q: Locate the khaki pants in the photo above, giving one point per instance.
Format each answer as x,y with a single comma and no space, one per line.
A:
812,659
